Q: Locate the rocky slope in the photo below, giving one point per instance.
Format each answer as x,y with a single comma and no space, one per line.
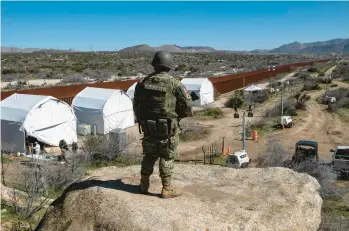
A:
215,198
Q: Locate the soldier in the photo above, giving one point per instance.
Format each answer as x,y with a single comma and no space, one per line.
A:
160,101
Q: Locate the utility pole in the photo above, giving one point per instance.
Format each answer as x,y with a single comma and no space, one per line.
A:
243,131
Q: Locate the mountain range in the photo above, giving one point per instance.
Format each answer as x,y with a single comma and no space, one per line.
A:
324,47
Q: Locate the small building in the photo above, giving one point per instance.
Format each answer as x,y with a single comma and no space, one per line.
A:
131,90
35,117
107,109
201,87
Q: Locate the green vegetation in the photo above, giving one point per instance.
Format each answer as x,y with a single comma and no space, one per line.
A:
215,113
191,132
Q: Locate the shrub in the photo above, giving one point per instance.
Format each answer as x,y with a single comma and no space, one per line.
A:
309,87
259,97
274,156
288,109
234,101
301,100
192,132
212,112
74,79
313,69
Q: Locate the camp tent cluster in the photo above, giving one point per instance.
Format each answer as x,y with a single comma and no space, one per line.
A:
201,87
49,120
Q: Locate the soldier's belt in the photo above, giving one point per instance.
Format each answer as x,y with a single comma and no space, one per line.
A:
160,128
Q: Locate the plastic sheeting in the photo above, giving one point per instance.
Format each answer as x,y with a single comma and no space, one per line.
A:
43,117
131,91
252,88
107,109
202,87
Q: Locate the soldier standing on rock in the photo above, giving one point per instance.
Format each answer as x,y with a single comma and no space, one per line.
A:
160,101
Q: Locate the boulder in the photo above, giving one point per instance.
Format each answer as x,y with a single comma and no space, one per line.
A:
215,198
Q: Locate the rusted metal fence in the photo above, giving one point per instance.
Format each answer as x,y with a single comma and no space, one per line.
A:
222,84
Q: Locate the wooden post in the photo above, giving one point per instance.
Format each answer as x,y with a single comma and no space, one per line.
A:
223,146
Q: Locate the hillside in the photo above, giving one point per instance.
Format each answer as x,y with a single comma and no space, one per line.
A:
330,46
32,50
320,47
169,48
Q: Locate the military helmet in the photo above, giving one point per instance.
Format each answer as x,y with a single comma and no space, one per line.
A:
162,58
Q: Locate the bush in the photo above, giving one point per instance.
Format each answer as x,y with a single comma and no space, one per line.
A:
274,156
234,101
309,87
313,69
301,100
191,132
74,79
289,109
260,96
212,112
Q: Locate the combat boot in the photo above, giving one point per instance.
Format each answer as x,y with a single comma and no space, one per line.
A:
144,186
169,191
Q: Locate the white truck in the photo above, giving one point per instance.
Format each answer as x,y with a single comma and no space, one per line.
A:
340,161
238,160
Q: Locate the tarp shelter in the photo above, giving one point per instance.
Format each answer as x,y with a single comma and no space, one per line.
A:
252,88
107,109
45,118
202,87
131,91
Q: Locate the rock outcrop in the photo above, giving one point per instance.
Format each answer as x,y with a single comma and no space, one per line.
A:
215,198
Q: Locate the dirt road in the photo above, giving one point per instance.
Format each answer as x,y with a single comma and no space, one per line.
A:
318,125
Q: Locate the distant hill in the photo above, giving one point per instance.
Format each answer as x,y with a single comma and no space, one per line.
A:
330,46
169,48
32,50
320,47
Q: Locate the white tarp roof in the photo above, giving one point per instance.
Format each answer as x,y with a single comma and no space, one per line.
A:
193,84
252,88
17,106
45,118
93,97
131,91
107,109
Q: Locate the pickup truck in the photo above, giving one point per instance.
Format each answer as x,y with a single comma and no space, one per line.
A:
340,161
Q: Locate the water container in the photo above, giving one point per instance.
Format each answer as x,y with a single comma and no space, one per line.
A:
118,139
84,129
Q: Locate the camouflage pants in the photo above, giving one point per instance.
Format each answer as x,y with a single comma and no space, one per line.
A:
166,151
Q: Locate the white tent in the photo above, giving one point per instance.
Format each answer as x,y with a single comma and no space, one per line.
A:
252,88
45,118
202,87
108,109
131,91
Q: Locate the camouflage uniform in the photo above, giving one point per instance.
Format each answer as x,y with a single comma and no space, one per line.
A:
159,101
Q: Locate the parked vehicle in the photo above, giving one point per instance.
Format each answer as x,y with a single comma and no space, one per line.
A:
340,161
286,121
305,150
238,160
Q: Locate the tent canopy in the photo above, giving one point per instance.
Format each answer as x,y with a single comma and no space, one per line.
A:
202,87
131,91
252,88
45,118
107,109
194,84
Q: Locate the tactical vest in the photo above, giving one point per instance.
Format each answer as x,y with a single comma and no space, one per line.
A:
156,97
